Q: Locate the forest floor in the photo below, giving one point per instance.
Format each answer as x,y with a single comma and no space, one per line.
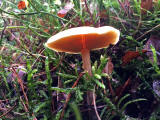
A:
37,83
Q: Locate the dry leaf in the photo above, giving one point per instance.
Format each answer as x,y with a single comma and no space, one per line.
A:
43,23
62,13
155,42
103,14
122,88
146,5
22,4
130,55
109,66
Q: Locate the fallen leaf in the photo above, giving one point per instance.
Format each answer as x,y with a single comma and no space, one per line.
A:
155,42
103,14
146,5
20,72
22,4
43,23
122,88
156,87
109,67
62,13
130,55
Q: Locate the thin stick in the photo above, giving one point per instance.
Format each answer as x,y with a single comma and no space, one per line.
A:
69,95
8,111
95,107
157,26
85,1
21,85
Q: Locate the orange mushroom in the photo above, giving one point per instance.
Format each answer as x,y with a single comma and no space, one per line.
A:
82,40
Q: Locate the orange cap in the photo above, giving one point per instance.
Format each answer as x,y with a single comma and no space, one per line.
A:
75,39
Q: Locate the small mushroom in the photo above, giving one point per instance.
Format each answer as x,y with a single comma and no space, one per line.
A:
82,40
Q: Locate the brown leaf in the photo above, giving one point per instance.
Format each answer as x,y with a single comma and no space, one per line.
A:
122,88
146,5
43,23
109,67
130,55
103,14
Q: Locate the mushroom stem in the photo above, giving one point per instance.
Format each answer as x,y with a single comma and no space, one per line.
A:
90,94
86,60
87,67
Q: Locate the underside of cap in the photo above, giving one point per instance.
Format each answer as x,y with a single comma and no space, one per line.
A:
75,39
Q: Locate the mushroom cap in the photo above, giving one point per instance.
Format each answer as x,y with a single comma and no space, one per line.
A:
75,39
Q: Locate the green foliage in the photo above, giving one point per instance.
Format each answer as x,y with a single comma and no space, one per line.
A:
50,76
114,110
76,111
157,69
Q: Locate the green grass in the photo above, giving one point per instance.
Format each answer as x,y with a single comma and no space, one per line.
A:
49,76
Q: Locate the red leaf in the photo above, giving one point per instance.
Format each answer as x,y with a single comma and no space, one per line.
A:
22,4
130,55
62,13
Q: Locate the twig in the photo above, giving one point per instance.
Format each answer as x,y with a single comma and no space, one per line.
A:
53,69
25,107
8,111
95,107
3,28
35,55
110,87
148,31
85,1
124,87
122,5
37,58
21,85
69,95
